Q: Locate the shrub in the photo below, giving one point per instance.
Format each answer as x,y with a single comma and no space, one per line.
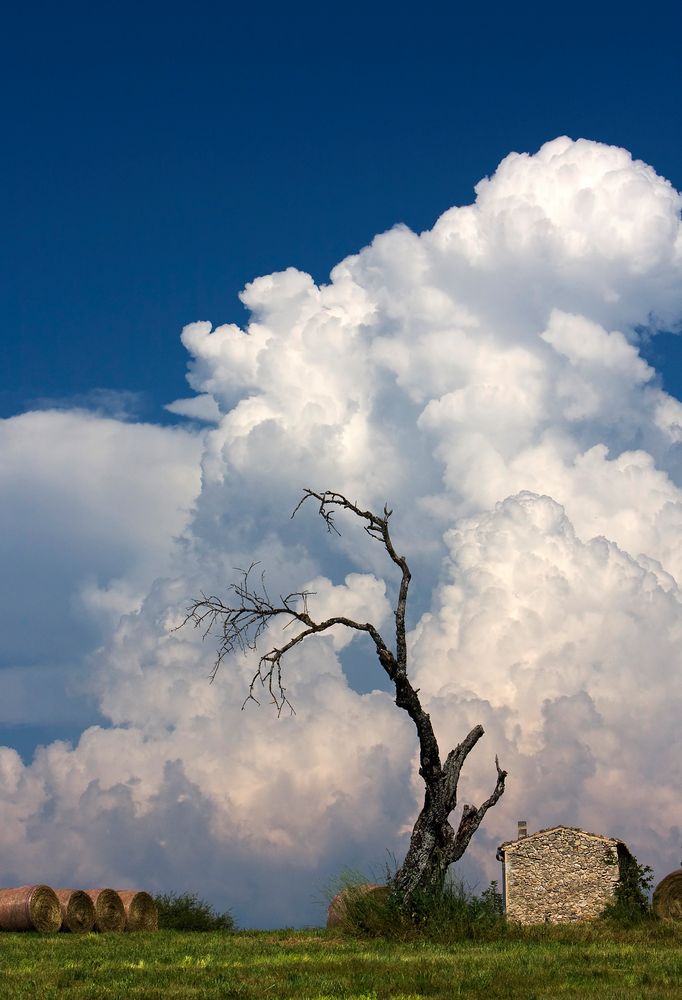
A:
455,913
492,902
631,897
447,915
186,912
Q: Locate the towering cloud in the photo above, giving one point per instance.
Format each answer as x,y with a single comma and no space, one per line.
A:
485,378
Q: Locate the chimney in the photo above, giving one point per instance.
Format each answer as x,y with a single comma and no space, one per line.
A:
523,829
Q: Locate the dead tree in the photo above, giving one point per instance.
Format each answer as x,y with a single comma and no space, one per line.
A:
435,844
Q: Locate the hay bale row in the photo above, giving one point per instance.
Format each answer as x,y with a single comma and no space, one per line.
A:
41,908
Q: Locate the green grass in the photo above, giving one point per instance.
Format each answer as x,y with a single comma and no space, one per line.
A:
563,962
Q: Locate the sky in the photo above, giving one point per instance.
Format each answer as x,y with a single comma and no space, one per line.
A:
427,257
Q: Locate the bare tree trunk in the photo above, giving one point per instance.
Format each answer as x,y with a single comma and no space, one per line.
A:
435,844
428,857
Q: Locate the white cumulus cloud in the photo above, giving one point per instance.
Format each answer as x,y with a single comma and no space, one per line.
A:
485,378
90,506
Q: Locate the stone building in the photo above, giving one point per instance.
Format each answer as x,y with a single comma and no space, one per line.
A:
559,874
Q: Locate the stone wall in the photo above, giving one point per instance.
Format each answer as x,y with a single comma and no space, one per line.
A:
559,875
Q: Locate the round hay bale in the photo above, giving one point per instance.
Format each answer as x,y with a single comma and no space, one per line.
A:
110,914
338,912
78,910
30,908
142,913
667,898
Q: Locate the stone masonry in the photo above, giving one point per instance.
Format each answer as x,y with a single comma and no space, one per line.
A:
559,875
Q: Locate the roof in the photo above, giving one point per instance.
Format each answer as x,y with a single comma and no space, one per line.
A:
513,844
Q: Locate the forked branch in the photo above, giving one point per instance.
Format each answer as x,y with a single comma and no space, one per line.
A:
472,817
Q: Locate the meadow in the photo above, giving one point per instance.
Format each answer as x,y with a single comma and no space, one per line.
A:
579,961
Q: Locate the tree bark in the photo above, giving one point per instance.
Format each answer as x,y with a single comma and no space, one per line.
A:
434,844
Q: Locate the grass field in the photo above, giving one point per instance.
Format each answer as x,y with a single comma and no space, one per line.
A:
579,961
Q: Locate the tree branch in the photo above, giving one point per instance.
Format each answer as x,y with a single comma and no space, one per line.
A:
472,817
270,664
454,763
241,623
377,528
395,666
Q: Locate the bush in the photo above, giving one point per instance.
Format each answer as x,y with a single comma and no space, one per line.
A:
186,912
455,913
631,898
451,914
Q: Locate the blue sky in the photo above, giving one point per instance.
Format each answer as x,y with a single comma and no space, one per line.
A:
158,157
506,372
